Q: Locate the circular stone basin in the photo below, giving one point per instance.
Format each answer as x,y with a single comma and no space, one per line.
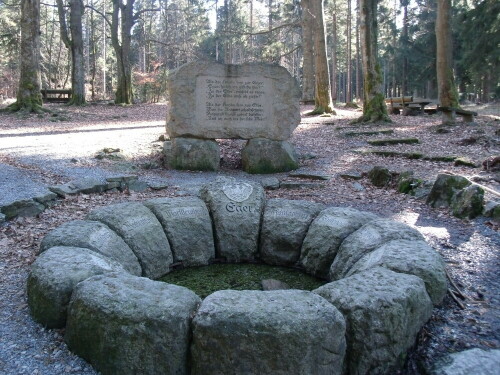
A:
96,277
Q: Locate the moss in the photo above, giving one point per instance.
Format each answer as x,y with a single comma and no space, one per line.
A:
374,110
265,166
380,176
464,162
407,183
208,279
447,159
374,132
318,110
406,155
385,142
468,203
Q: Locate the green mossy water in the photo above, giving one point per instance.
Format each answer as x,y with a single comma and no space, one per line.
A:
208,279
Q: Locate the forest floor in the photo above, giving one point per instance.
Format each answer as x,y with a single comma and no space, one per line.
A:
53,146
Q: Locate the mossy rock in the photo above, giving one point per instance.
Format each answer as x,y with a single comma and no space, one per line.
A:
372,132
446,158
407,183
468,203
263,156
466,162
393,141
380,176
445,188
405,155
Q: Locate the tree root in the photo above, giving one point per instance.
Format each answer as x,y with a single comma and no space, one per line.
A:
459,303
26,108
321,111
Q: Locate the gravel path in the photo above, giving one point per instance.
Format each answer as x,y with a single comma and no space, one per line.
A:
50,153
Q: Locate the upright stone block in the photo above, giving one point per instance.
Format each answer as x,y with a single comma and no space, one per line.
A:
188,226
142,231
284,227
325,235
95,236
194,154
282,332
366,239
53,276
129,325
210,100
384,312
266,156
236,208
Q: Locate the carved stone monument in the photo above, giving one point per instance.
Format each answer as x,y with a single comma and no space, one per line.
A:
211,101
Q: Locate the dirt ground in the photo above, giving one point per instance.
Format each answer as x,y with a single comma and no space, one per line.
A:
470,247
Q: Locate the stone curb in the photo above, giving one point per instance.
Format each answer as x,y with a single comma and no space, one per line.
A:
38,204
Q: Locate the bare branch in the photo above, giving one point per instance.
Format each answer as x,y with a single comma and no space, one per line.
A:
289,52
100,13
291,24
172,45
52,5
139,13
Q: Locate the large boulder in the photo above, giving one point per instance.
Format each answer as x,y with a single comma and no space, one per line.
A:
210,100
445,188
261,156
367,238
284,227
411,257
53,276
123,324
194,154
188,226
384,311
95,236
473,361
236,208
326,233
275,332
142,231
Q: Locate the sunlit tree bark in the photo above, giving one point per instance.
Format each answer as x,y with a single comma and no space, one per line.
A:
374,108
323,97
75,44
447,94
29,98
308,81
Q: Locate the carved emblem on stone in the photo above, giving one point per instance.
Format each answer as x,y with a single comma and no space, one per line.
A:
237,191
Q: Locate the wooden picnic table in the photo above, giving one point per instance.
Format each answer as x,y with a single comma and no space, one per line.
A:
406,104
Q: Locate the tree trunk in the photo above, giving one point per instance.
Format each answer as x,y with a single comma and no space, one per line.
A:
447,94
122,16
348,98
308,81
334,52
358,56
374,108
75,44
78,62
29,98
404,48
323,97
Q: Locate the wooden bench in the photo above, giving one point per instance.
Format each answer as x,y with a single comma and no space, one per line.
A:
396,104
56,95
451,113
